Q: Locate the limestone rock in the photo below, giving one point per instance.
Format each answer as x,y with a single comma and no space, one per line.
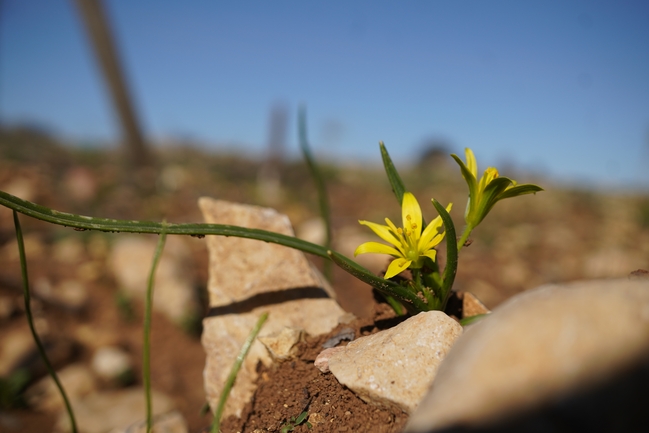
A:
322,360
130,262
396,366
472,306
282,345
246,278
77,380
571,357
101,412
112,364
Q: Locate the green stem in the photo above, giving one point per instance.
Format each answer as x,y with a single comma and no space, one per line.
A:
467,231
146,351
80,222
416,278
227,387
30,320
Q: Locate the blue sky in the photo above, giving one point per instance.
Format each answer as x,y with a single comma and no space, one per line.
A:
559,87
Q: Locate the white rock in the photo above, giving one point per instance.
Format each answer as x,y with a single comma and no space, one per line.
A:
76,379
110,363
322,360
102,412
246,278
282,345
549,349
130,261
396,366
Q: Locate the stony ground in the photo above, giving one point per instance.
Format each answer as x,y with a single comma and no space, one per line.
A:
80,306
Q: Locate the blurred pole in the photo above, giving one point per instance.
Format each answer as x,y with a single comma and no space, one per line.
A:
269,185
98,30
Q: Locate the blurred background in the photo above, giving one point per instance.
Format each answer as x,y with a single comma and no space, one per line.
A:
134,110
558,88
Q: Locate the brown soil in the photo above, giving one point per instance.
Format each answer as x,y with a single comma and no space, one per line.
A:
296,386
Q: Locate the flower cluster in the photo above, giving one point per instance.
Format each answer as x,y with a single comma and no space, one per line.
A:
413,244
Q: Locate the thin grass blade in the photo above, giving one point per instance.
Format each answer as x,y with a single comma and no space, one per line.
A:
227,387
146,350
30,320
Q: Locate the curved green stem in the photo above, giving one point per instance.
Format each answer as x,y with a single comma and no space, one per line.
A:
30,320
146,350
80,222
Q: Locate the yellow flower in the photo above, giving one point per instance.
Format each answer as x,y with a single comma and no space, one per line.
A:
491,188
409,244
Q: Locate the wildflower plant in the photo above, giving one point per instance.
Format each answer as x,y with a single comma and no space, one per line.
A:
412,245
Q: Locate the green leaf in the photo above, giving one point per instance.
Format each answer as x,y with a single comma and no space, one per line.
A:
526,188
472,319
301,417
490,197
451,253
470,179
393,176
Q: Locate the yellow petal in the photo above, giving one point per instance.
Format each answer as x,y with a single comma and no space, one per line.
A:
434,241
396,267
383,232
432,230
489,175
431,253
411,213
376,248
471,163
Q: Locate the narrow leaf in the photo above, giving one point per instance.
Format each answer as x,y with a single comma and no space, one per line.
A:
526,188
451,253
146,349
393,176
229,382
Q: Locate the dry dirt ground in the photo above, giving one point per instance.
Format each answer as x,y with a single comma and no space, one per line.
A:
558,235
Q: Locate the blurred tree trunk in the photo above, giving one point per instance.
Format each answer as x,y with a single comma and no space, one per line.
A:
98,30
